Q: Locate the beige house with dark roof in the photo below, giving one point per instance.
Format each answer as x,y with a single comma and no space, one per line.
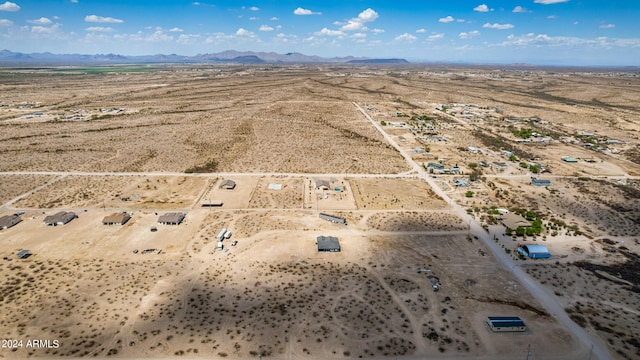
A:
323,184
228,184
116,219
514,221
60,218
8,221
173,218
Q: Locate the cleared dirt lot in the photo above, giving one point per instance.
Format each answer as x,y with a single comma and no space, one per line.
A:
396,194
126,192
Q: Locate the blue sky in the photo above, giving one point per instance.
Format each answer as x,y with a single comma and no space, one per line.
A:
550,32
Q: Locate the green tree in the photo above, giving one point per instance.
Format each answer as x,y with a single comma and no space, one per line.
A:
469,194
513,158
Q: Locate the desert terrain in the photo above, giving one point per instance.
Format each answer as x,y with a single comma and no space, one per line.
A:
417,160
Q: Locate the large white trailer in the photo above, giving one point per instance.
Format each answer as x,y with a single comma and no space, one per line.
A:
221,234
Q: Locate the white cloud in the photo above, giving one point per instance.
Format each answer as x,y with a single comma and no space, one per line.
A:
421,31
74,1
520,9
41,29
481,8
406,37
359,38
301,11
436,36
254,8
552,17
188,39
253,18
357,23
99,29
41,21
285,38
576,22
498,26
447,19
155,37
5,22
607,26
244,32
47,32
101,19
274,19
176,29
548,2
377,31
327,32
540,40
469,35
9,6
368,15
266,28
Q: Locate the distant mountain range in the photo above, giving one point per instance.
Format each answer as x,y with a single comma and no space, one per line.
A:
10,58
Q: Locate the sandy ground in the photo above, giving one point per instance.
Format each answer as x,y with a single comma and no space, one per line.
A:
87,288
15,185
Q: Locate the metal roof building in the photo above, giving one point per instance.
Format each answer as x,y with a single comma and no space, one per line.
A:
535,251
540,182
435,166
59,218
328,244
506,323
332,218
8,221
